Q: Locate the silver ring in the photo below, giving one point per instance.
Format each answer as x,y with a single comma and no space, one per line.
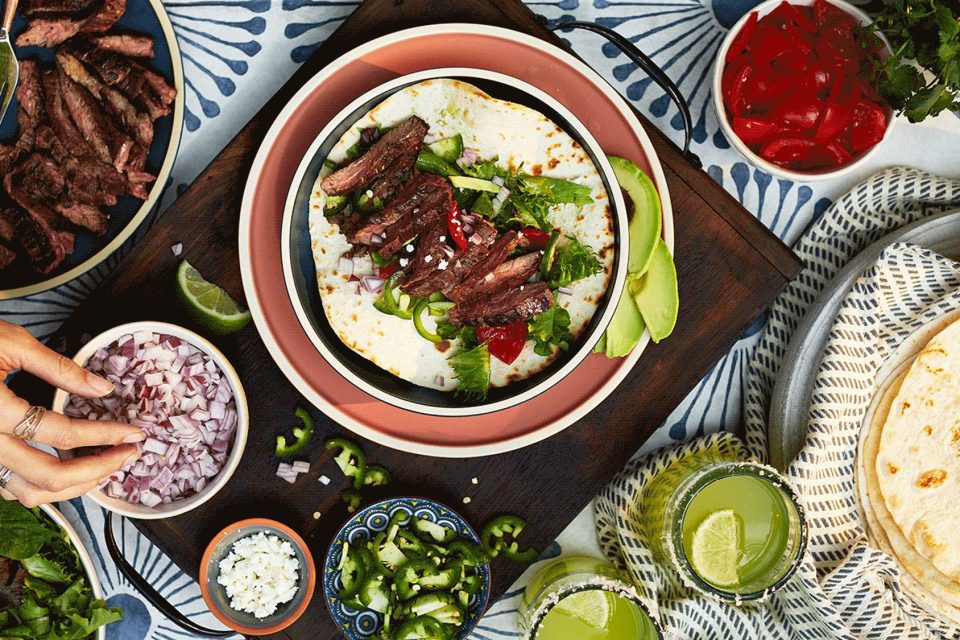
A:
27,428
5,476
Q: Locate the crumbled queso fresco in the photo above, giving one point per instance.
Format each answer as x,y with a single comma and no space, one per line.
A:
259,574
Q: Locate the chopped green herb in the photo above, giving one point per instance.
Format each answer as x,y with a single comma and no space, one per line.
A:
552,327
572,261
471,367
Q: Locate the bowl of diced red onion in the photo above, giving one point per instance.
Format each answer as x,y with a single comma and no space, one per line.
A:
184,393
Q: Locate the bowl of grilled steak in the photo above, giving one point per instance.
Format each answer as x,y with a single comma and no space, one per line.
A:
95,122
453,242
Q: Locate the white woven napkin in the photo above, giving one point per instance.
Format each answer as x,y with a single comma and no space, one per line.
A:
844,589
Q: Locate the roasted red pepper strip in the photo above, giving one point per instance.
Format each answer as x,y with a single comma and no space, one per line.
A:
506,342
389,269
537,238
740,43
788,152
868,126
455,227
754,130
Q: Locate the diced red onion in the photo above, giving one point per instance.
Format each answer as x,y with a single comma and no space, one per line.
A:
346,267
467,229
497,180
301,467
441,382
179,396
567,291
468,218
376,239
447,251
372,284
177,249
467,158
502,195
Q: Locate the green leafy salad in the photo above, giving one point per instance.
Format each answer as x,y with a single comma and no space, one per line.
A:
44,590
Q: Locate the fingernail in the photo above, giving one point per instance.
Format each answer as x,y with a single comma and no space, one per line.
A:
133,458
100,385
139,436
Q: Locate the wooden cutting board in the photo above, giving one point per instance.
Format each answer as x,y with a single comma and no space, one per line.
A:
730,268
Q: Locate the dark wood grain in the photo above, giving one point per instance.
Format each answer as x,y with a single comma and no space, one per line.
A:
730,268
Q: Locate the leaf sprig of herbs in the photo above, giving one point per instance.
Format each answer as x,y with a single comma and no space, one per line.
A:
928,32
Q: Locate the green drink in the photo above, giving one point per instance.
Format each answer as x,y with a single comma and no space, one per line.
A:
730,528
584,599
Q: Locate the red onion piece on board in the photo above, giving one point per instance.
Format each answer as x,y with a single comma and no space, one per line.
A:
180,397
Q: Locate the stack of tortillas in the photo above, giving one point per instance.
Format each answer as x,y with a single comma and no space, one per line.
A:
909,470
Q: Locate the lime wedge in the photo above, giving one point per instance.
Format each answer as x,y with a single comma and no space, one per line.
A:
716,548
593,607
210,305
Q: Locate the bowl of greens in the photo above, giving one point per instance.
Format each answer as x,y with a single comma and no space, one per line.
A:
48,584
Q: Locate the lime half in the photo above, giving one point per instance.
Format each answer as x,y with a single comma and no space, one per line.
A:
210,305
593,607
716,548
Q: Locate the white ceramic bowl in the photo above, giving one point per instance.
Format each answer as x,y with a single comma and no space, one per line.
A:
176,507
85,559
802,176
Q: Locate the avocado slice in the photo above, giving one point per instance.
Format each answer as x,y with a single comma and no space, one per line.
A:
643,209
625,328
656,294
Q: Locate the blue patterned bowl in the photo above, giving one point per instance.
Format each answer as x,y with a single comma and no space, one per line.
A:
366,524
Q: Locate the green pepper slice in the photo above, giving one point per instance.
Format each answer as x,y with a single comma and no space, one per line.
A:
376,476
500,535
471,554
418,310
432,163
352,499
409,544
349,458
375,594
387,554
433,532
386,303
353,572
421,628
409,575
302,434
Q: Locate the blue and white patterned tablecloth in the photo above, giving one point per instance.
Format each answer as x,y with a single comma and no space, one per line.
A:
237,53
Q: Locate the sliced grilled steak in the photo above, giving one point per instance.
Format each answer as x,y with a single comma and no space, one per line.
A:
395,144
387,185
83,215
36,229
411,199
7,257
87,173
109,144
494,258
103,20
430,254
504,307
49,32
39,7
137,124
41,179
509,275
128,44
9,154
445,280
161,88
431,212
30,104
6,223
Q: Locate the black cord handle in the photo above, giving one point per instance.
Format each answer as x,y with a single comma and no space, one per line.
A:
651,68
152,595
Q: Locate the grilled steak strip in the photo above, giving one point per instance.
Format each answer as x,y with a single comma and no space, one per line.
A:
38,7
386,186
127,44
431,212
137,124
494,258
6,224
445,280
430,254
110,145
504,307
395,144
409,201
35,227
108,15
49,32
509,275
30,100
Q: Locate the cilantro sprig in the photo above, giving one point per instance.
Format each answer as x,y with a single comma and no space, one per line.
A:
928,32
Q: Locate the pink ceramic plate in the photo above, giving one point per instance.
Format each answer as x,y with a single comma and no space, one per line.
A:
544,66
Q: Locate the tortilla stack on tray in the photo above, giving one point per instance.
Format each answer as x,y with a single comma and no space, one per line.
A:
520,139
909,473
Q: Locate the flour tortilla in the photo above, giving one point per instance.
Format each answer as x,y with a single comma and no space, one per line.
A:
918,577
918,459
516,135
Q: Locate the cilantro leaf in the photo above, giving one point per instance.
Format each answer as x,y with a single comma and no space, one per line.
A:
552,327
572,261
467,335
554,190
472,370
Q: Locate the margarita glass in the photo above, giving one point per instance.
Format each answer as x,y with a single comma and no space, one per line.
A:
732,529
584,599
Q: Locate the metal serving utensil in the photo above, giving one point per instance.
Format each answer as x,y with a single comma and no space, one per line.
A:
9,67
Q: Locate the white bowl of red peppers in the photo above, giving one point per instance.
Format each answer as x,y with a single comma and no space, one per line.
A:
794,91
185,395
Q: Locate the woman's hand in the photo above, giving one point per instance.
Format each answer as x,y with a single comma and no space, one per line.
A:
34,477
